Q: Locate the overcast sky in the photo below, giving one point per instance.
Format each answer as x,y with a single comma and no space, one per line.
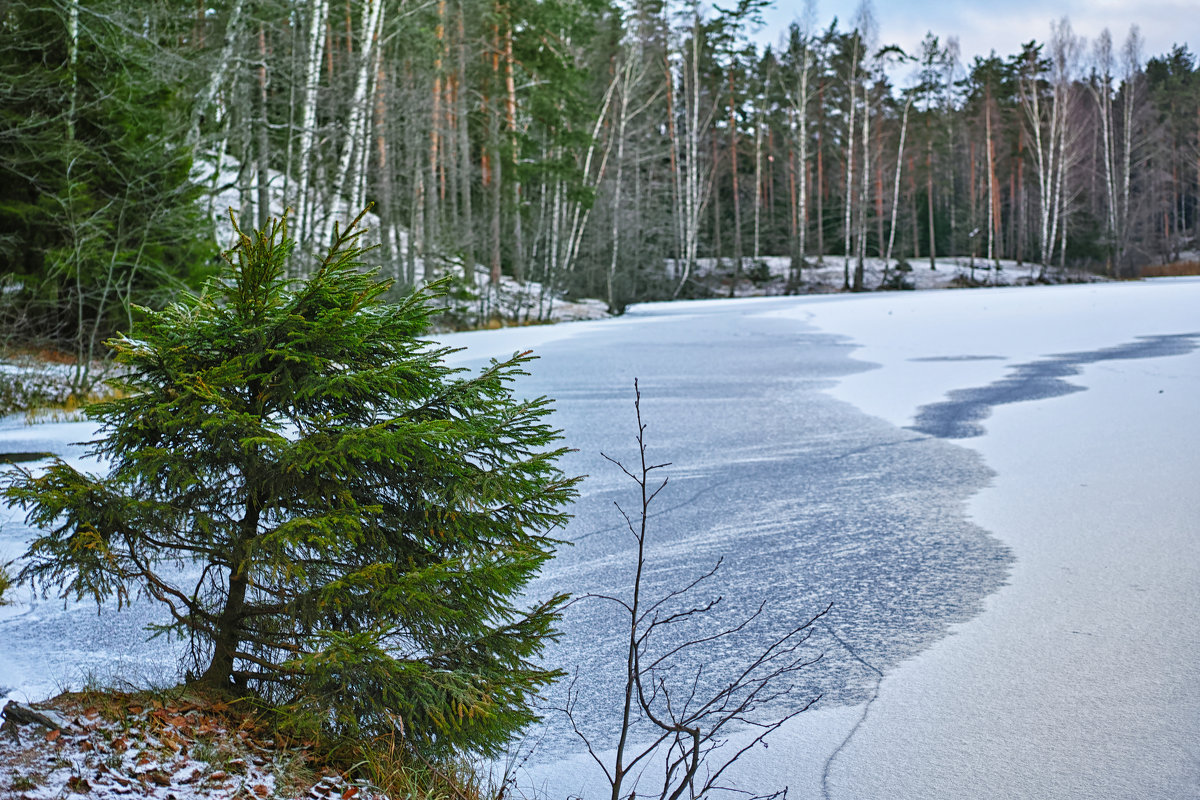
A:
1003,25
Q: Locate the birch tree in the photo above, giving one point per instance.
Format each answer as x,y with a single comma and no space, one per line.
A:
887,258
317,13
694,176
848,207
799,96
631,71
1102,92
1131,90
354,142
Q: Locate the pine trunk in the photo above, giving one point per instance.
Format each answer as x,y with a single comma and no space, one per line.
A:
737,200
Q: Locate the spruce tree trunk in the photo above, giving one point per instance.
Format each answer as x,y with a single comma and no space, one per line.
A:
228,631
434,192
793,217
974,193
718,248
493,142
914,211
494,165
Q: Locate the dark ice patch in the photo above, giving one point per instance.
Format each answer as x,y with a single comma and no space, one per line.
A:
16,458
960,415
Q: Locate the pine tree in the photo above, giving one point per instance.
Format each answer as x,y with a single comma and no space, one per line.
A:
354,519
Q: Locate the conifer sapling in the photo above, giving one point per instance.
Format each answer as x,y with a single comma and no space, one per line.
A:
335,519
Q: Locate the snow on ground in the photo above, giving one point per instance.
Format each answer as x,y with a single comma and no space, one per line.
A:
510,301
768,275
1079,679
155,747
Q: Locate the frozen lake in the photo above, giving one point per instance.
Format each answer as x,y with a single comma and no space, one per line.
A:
1013,467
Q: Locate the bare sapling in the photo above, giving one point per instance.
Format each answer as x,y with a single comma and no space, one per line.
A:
679,716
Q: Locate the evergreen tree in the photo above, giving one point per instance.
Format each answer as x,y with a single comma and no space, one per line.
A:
354,519
97,209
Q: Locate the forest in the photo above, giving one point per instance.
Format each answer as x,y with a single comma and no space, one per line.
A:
602,149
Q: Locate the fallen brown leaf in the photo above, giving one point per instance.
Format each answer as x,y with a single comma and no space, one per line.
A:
158,777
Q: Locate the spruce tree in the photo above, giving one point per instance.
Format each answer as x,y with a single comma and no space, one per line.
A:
334,518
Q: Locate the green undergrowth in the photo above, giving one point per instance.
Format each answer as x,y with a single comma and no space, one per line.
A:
5,584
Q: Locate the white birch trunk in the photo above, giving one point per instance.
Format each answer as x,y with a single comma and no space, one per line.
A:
1031,101
677,215
308,115
758,182
350,170
72,64
802,169
865,194
849,206
1132,62
626,73
887,259
580,213
1103,98
693,190
217,79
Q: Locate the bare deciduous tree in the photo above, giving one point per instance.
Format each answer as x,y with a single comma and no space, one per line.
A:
666,700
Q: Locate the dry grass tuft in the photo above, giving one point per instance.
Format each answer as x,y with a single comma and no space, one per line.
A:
399,773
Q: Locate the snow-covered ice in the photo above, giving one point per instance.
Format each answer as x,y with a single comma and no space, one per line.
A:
1030,593
1080,678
